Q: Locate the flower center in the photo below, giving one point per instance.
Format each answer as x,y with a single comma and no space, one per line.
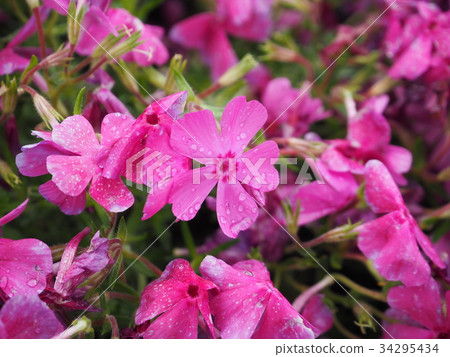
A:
192,291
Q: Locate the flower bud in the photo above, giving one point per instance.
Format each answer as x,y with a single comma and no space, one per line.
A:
9,96
76,14
238,71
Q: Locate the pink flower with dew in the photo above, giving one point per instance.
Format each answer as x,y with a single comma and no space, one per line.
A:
247,19
74,270
416,38
321,198
24,263
420,311
74,157
290,109
99,24
11,62
235,172
175,300
443,248
27,317
248,305
393,240
368,138
204,33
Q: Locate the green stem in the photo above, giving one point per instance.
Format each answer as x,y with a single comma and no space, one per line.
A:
360,289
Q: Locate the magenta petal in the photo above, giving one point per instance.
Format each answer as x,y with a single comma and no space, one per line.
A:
382,194
415,60
399,161
421,303
256,168
24,266
241,120
112,104
71,174
27,317
391,243
280,320
16,212
11,62
32,161
236,209
70,205
188,193
181,321
113,195
156,199
76,134
196,136
400,331
370,131
318,314
253,268
428,248
113,127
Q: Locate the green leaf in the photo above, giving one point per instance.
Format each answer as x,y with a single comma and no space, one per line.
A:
79,102
183,84
122,231
33,63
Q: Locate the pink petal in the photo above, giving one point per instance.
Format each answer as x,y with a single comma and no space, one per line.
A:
219,53
370,132
421,303
398,160
189,191
16,212
318,314
11,62
27,317
193,31
415,60
181,321
390,242
76,134
407,332
196,136
32,160
71,174
113,104
236,209
256,168
156,200
280,320
381,192
253,268
70,205
428,248
29,28
151,51
112,195
241,120
113,127
24,266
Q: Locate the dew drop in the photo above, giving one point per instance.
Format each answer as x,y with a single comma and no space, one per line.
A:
240,208
32,283
243,135
242,196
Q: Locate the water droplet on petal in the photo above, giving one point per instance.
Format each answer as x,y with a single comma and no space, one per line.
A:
32,283
240,208
242,196
243,135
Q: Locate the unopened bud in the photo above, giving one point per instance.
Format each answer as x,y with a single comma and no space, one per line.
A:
76,14
274,52
49,115
125,46
33,3
9,96
238,71
8,175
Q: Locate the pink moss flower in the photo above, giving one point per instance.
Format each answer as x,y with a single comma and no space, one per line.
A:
207,32
417,39
290,109
319,199
175,300
24,263
248,305
368,138
99,24
27,317
393,240
235,172
74,157
420,311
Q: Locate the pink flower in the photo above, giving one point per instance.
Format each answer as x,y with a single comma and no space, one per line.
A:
175,300
100,24
207,32
420,311
74,270
368,138
248,305
291,109
248,19
74,157
27,317
11,62
204,33
392,241
25,263
318,314
235,172
417,39
319,199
